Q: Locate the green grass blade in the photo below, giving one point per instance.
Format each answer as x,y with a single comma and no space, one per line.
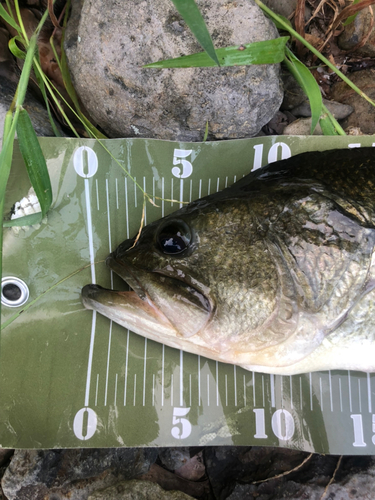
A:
205,132
34,160
25,75
312,49
308,84
189,10
337,128
15,50
27,220
267,52
9,19
327,126
6,155
42,88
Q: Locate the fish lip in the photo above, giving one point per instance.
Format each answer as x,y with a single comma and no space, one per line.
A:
122,269
125,271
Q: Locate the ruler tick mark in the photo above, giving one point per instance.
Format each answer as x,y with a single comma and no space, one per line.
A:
263,391
126,207
162,375
96,390
369,393
190,389
272,382
321,393
108,359
181,378
145,204
350,392
116,380
97,194
235,384
217,383
340,393
126,366
172,390
330,389
144,373
199,380
291,392
253,380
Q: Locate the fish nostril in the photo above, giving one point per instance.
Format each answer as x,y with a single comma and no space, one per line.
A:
14,292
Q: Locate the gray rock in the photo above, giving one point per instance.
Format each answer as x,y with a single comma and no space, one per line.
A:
293,93
36,110
274,474
138,490
71,474
174,458
355,32
107,47
354,480
286,7
302,126
339,110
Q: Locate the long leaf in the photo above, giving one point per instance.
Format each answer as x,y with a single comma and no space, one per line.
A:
34,160
308,84
5,163
25,75
267,52
188,9
27,220
9,19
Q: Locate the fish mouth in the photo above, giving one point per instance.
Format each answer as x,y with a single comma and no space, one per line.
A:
157,302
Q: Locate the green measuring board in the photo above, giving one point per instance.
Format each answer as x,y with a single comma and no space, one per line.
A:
72,378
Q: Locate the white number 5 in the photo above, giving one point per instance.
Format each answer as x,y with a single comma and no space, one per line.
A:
182,426
178,159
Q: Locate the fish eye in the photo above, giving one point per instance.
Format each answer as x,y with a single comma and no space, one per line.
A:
174,237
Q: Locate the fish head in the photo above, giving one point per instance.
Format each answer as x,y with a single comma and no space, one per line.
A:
193,275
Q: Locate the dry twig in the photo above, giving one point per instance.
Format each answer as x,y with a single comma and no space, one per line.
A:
332,478
285,473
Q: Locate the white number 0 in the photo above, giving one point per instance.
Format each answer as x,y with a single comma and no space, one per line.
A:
182,426
187,167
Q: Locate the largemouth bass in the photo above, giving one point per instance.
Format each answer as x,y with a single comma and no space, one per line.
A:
275,273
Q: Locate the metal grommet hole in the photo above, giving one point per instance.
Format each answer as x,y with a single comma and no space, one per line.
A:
14,292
